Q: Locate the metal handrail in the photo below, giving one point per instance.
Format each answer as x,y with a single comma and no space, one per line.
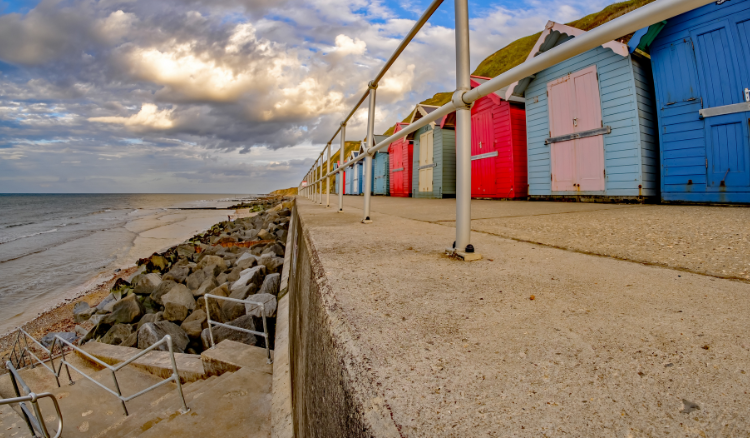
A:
173,378
27,351
35,421
232,327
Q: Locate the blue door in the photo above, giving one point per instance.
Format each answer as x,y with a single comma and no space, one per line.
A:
718,50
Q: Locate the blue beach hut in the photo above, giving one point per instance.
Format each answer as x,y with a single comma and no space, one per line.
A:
353,179
590,123
701,70
381,171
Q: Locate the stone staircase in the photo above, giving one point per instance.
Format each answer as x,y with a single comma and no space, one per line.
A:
232,399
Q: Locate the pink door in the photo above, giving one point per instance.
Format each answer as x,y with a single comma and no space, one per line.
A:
588,116
561,110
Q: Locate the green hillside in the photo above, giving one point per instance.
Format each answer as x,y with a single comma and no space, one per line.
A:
516,52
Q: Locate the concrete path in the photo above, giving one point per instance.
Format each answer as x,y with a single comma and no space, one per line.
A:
707,240
534,340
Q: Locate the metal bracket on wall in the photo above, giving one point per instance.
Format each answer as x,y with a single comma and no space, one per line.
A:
487,155
584,134
400,169
427,166
724,110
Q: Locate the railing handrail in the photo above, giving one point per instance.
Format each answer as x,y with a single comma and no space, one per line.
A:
167,339
26,350
35,422
232,327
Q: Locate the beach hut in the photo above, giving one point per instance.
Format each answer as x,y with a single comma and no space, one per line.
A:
591,129
400,154
702,74
373,180
352,176
434,156
498,145
381,171
338,178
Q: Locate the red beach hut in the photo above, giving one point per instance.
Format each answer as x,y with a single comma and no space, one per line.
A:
400,155
498,146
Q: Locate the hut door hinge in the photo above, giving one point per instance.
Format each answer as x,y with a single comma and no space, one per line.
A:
550,177
706,163
605,172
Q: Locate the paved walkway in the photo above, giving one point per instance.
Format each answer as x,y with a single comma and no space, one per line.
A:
706,240
535,340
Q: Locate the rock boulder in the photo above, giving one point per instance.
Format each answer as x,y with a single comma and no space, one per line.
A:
147,284
271,284
222,333
153,332
180,295
125,311
118,334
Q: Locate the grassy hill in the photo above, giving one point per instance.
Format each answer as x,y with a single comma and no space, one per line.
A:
284,192
516,52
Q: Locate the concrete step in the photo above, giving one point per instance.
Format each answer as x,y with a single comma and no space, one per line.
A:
39,379
12,424
158,363
161,408
229,356
238,404
88,409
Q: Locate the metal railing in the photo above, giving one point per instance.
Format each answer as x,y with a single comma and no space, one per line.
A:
114,368
464,97
23,354
35,421
240,329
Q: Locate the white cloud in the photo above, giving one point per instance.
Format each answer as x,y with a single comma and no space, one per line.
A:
149,117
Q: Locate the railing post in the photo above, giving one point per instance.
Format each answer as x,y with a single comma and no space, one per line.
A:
185,409
343,160
119,393
368,158
328,180
463,132
320,178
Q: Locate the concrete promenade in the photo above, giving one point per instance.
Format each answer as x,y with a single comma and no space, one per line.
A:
631,330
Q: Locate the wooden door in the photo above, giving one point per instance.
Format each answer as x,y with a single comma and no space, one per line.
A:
426,155
482,143
589,151
561,115
395,163
720,52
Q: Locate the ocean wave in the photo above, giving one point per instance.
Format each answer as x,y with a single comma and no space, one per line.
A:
27,235
19,225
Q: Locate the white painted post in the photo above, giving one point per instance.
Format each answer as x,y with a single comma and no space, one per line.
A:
328,180
368,158
463,130
342,158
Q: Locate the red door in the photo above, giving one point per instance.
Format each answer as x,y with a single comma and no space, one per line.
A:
482,150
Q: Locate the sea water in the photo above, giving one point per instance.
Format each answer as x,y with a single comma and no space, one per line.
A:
53,244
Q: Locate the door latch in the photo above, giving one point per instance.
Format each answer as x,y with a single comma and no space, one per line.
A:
575,122
747,94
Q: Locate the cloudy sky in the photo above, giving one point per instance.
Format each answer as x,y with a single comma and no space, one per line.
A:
216,96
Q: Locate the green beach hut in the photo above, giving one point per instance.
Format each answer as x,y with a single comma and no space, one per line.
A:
434,163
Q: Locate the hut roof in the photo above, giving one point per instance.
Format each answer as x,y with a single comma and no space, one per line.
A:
555,34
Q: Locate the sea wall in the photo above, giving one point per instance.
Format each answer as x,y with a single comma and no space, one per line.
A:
331,393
